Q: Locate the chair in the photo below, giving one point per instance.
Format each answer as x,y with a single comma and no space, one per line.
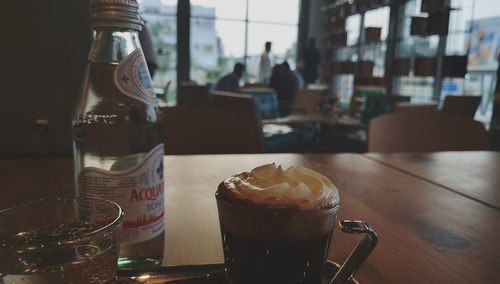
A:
193,95
265,99
276,138
235,102
207,130
359,95
350,133
377,104
307,101
461,105
241,104
434,131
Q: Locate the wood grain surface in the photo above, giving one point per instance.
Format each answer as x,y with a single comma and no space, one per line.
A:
428,233
475,174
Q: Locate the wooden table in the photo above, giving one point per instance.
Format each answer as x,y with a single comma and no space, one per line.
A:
298,119
475,175
428,233
318,118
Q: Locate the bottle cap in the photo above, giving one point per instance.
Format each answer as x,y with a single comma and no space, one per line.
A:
116,13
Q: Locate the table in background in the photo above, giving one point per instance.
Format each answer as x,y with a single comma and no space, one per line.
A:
428,234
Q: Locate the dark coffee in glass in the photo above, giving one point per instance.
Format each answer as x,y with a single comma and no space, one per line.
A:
273,242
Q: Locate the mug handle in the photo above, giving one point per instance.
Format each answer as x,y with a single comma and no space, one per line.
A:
360,253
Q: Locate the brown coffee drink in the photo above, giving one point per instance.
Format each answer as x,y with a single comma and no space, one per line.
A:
276,224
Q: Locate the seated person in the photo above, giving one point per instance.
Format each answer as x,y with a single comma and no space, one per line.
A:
231,82
286,84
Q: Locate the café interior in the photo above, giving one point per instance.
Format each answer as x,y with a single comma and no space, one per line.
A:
397,102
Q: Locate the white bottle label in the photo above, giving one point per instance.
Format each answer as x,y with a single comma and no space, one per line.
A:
132,78
136,183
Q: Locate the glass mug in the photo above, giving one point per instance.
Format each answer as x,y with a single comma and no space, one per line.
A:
285,246
60,240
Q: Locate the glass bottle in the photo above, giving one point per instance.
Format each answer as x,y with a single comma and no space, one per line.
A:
117,132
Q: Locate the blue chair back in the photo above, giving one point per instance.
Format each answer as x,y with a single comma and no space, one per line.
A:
266,101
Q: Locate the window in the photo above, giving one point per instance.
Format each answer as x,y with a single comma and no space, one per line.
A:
352,25
222,33
283,39
274,11
161,20
416,49
228,36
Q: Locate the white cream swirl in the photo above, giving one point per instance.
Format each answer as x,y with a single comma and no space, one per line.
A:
269,186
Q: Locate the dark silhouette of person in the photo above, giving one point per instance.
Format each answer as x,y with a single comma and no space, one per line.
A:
285,83
231,81
311,57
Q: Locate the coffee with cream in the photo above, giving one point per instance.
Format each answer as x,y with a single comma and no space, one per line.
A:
276,224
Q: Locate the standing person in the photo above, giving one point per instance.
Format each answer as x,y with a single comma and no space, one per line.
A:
265,64
311,57
231,81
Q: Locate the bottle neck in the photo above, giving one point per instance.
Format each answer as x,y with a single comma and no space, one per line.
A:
111,45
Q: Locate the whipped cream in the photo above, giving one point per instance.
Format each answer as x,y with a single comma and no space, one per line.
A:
272,187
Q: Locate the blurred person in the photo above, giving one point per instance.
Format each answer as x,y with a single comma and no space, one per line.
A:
286,84
311,57
265,64
231,81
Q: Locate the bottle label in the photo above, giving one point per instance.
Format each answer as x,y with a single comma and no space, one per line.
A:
132,78
136,183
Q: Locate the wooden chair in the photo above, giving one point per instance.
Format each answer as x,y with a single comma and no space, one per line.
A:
241,104
274,137
461,105
377,104
434,131
307,101
207,130
193,95
234,102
